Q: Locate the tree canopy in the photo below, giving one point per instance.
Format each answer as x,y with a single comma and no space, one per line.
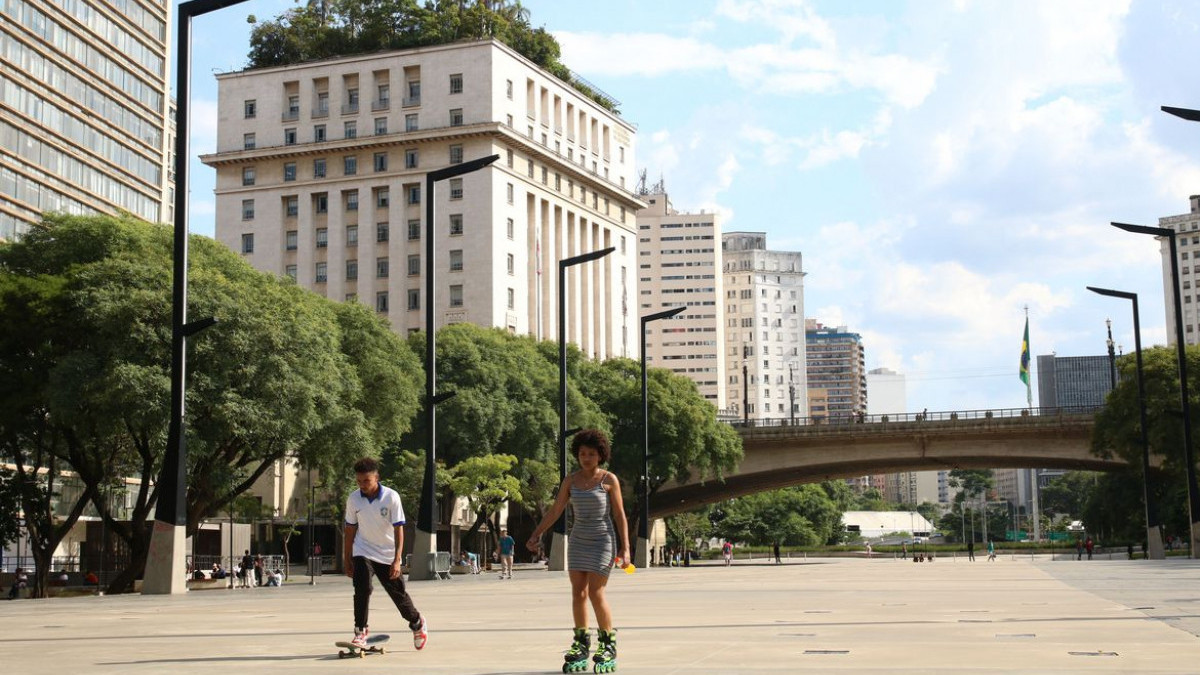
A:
322,29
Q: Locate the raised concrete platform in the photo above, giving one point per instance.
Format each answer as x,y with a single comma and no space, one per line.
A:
844,615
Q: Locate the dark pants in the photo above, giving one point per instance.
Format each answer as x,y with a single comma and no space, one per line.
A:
363,569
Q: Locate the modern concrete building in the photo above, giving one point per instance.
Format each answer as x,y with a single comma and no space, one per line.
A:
321,171
764,323
85,111
1067,381
1187,241
836,371
679,264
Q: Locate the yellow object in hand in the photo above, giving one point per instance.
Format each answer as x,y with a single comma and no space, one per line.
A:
627,566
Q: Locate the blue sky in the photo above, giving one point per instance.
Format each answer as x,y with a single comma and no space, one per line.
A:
940,165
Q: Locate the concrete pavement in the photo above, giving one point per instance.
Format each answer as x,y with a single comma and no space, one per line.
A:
835,614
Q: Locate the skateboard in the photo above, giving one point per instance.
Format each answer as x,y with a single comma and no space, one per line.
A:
373,647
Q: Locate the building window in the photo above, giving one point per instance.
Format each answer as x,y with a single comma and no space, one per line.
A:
291,206
351,100
323,103
410,122
290,270
509,158
512,264
381,161
352,200
247,209
512,299
380,126
381,198
456,83
293,107
544,176
456,224
414,92
248,175
351,270
321,203
508,88
350,165
381,302
322,272
322,237
318,168
456,260
414,299
529,169
350,130
248,142
381,231
456,295
351,236
509,228
319,133
381,268
510,193
383,95
250,109
414,230
289,136
456,117
410,159
414,265
414,194
291,240
456,155
247,243
289,172
456,189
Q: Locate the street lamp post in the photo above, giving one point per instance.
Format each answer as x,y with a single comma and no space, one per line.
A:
558,546
745,386
642,558
1112,357
1154,544
1193,502
169,536
425,539
792,394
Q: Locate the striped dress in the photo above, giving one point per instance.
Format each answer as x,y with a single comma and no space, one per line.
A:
591,543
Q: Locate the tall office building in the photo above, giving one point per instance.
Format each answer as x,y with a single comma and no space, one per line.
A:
84,110
1187,243
836,371
764,328
679,265
321,172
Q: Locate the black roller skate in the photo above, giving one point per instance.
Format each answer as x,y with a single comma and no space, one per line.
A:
606,652
577,656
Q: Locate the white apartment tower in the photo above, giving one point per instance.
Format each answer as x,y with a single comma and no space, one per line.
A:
764,329
85,112
321,173
1187,242
679,264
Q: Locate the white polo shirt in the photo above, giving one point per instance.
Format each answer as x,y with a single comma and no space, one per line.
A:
376,519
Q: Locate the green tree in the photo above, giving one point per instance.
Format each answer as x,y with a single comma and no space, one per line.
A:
488,483
780,516
683,529
283,374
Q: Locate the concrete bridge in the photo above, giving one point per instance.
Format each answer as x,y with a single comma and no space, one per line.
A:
782,452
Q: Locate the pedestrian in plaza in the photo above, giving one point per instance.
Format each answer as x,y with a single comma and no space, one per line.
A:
599,534
775,550
1078,548
727,553
991,550
258,571
20,582
904,550
971,550
1089,545
245,573
507,546
374,546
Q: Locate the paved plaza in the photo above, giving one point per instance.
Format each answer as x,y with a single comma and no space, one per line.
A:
820,615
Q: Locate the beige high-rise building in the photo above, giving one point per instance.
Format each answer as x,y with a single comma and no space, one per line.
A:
1187,243
84,110
679,264
764,329
836,370
321,176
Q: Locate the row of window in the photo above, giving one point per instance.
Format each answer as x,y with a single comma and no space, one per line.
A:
350,104
320,200
382,302
320,132
382,234
320,165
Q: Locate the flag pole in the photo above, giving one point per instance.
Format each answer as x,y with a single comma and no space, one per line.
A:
1028,358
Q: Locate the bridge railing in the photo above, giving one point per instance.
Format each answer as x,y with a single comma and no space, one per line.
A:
849,421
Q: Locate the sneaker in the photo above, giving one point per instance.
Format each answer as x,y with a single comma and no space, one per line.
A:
420,635
360,638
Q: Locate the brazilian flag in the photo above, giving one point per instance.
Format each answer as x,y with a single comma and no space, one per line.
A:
1025,355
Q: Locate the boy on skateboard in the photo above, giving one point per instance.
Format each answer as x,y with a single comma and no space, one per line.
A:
374,546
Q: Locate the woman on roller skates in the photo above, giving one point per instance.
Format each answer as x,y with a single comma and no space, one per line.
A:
594,495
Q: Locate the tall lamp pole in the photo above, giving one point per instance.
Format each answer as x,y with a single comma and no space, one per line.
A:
792,394
1154,544
425,539
1193,502
642,557
558,546
745,386
169,536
